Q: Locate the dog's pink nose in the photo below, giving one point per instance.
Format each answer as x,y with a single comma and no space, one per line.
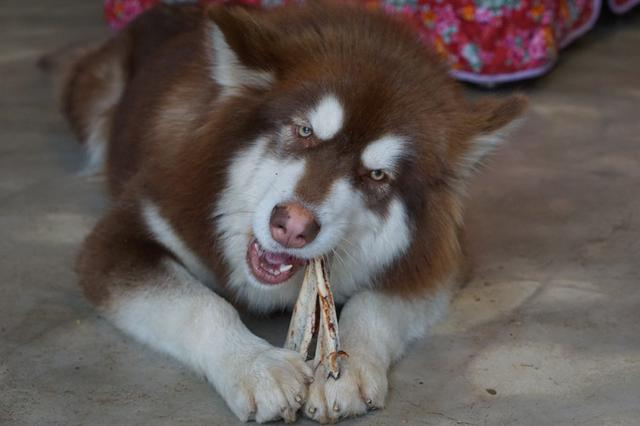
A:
292,225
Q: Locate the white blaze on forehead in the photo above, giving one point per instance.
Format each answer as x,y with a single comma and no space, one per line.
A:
384,153
327,117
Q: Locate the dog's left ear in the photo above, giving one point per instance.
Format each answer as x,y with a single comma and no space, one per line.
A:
241,49
489,121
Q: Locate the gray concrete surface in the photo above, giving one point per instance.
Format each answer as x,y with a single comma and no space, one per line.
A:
550,323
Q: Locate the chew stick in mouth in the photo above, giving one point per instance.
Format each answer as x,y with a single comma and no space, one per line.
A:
316,291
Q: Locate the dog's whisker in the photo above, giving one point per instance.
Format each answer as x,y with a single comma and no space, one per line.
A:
338,257
349,254
226,215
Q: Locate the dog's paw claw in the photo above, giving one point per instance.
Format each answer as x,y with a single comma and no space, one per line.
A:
362,387
270,385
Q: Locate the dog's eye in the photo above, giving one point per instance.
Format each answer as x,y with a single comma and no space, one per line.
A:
305,131
377,175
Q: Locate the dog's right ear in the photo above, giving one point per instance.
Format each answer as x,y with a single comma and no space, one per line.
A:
489,121
240,45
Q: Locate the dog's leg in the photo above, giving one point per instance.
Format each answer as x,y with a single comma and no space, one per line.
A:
148,295
375,330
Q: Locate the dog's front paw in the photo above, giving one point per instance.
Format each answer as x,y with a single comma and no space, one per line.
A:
270,384
362,386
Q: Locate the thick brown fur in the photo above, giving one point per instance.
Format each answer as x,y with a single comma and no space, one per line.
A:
210,121
160,127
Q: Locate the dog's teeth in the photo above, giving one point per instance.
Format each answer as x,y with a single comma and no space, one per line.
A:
285,268
259,249
275,272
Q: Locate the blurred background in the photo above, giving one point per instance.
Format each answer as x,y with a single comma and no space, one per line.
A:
548,331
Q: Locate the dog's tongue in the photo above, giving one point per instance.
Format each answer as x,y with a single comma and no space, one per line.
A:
279,258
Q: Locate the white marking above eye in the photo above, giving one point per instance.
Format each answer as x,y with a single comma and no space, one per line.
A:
384,153
327,117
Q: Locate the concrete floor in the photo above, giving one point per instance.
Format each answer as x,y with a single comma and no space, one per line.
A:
548,333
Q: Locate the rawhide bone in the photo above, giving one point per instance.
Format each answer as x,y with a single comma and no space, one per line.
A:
316,291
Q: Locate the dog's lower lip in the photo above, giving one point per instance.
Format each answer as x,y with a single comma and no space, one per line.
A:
271,268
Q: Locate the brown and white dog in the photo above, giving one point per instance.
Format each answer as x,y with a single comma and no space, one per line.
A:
237,145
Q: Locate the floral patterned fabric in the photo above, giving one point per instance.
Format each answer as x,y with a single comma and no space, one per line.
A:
622,6
484,41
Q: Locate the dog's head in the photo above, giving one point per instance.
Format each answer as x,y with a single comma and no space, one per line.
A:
359,148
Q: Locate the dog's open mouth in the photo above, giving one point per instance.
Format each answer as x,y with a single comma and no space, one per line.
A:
270,267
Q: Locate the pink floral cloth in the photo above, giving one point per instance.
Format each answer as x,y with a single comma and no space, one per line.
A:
485,41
